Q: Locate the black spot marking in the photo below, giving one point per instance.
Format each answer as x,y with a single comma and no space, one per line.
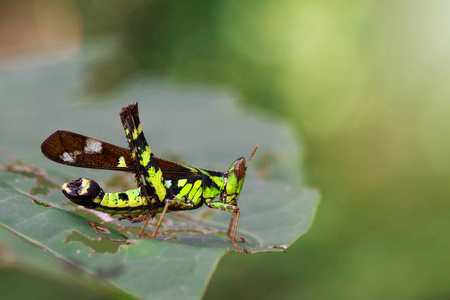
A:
123,196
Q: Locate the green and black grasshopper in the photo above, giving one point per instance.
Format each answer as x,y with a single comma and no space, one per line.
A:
163,185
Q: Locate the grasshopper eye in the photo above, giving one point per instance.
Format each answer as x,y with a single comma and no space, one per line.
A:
239,169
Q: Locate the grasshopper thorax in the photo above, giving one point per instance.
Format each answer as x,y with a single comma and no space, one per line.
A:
234,180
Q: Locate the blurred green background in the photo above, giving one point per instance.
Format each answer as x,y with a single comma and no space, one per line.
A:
364,83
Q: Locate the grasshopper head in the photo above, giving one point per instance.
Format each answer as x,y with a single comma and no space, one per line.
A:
234,182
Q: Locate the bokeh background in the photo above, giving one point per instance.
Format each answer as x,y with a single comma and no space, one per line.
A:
365,84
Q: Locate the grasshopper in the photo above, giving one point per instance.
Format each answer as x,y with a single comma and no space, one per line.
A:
163,185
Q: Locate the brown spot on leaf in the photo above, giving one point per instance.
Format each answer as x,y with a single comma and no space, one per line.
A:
98,227
44,184
172,239
99,245
41,203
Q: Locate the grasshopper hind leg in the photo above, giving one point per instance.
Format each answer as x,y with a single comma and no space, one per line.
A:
149,176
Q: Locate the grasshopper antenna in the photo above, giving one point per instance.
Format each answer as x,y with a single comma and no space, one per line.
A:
256,148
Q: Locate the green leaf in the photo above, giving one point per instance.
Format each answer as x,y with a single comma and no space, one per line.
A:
192,126
42,275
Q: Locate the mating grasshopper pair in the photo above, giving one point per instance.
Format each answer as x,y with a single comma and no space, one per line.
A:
163,185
